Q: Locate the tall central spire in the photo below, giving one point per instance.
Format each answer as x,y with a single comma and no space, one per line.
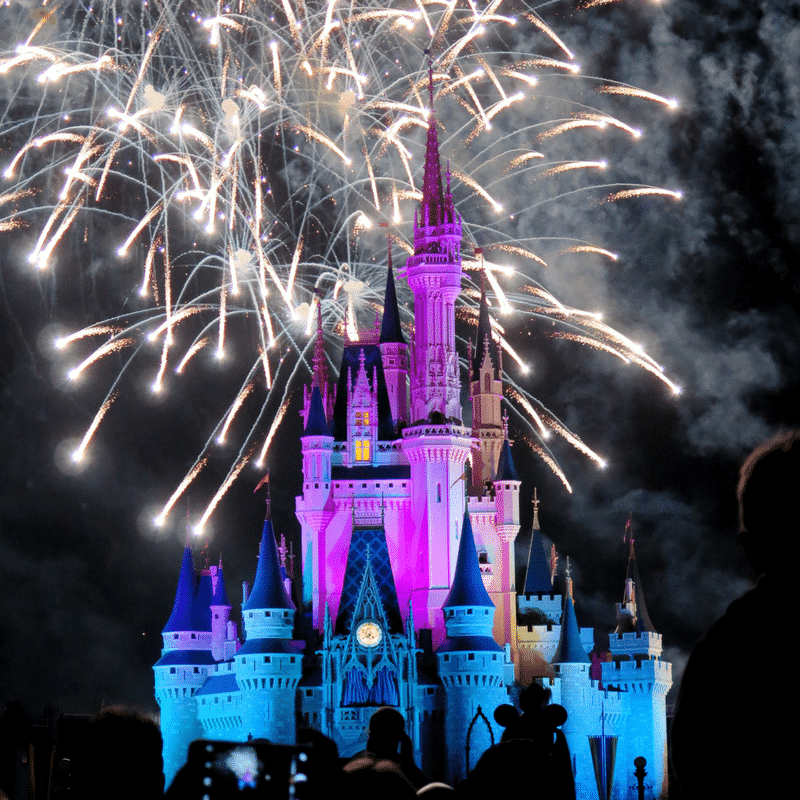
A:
437,204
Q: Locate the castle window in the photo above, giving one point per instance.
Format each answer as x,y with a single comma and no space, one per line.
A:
362,449
362,417
267,659
438,492
487,383
172,670
470,656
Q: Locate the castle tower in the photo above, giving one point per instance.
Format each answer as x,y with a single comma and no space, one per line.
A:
486,392
576,694
436,443
394,351
506,488
434,275
268,665
183,667
362,411
470,664
314,507
539,609
638,671
223,631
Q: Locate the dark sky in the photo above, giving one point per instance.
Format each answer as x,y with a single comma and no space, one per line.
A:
709,286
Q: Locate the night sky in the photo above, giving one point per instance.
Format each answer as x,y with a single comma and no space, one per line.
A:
708,285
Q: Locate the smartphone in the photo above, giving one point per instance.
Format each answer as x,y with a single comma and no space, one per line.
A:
221,770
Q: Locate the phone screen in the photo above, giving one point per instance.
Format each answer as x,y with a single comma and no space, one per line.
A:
221,770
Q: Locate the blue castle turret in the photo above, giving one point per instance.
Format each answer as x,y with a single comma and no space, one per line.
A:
268,666
470,663
638,672
184,665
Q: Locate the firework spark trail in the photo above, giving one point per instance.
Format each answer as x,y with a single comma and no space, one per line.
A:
571,165
198,345
272,430
632,91
109,347
589,248
549,460
292,133
95,330
226,484
642,191
237,404
80,450
570,125
176,495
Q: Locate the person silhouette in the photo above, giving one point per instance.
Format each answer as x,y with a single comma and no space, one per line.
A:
725,739
387,740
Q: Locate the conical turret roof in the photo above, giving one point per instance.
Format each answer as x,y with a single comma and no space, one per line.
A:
537,576
220,592
505,464
467,588
484,341
316,425
268,589
183,613
633,601
390,324
570,648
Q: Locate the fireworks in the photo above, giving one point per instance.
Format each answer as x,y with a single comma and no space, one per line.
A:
244,155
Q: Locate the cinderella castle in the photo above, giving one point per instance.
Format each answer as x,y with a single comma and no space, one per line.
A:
408,570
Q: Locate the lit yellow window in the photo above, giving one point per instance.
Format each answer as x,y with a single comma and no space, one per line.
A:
362,417
362,449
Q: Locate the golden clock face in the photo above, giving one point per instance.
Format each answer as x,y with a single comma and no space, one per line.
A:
369,634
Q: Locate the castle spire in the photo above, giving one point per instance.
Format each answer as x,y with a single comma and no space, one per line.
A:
184,614
390,324
632,611
268,590
320,364
437,205
570,647
538,576
484,341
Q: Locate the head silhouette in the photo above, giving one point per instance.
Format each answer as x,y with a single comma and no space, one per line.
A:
386,727
768,482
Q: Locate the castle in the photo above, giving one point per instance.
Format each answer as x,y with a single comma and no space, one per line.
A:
408,587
